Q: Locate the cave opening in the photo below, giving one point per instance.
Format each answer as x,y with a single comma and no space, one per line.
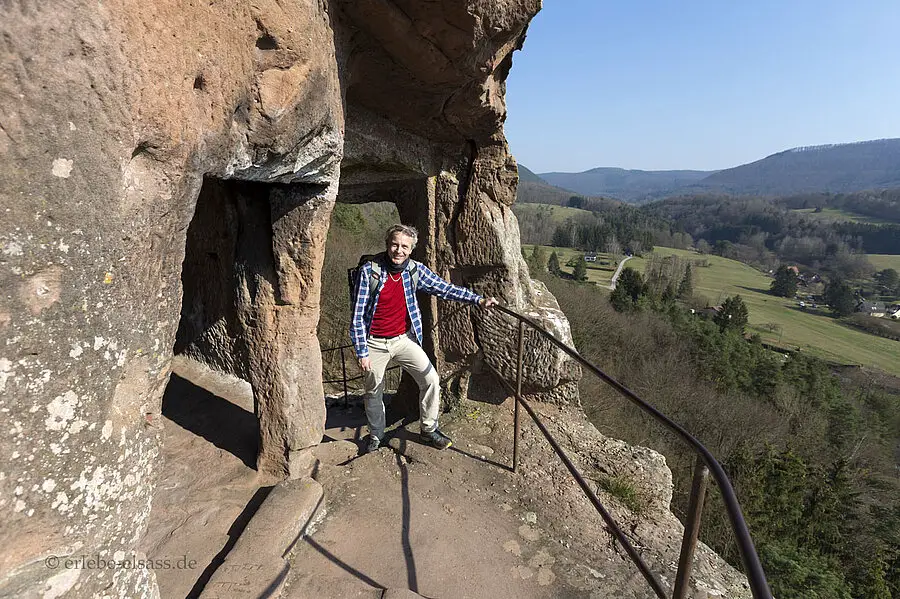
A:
244,401
250,301
209,485
209,392
355,230
363,212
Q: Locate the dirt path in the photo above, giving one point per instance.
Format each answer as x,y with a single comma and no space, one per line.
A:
397,521
454,524
615,277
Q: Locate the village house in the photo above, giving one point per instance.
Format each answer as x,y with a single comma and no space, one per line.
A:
875,309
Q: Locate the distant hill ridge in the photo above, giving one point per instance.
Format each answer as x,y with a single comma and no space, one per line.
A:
526,176
630,185
829,146
834,168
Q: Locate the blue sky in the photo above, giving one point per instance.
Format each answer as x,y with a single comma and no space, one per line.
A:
700,84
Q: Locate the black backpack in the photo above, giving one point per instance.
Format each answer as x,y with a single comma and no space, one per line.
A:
353,275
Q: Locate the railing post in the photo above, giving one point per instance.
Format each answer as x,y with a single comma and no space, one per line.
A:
344,374
691,529
519,360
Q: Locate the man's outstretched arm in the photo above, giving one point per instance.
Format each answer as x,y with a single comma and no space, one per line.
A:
435,285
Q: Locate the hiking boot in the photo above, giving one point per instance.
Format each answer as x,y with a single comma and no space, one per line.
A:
436,439
372,443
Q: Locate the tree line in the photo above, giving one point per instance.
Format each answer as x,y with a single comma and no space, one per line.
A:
766,232
882,204
605,226
810,453
762,232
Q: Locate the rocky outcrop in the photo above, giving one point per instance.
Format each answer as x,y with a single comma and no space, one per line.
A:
635,486
169,169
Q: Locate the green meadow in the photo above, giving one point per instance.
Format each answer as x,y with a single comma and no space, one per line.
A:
558,214
596,271
883,261
778,320
781,321
838,215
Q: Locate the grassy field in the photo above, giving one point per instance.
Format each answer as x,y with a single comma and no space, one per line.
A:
778,320
596,272
781,321
882,261
838,215
558,214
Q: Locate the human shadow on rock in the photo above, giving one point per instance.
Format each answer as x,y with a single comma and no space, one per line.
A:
225,425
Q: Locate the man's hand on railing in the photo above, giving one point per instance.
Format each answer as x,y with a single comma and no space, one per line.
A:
488,302
365,364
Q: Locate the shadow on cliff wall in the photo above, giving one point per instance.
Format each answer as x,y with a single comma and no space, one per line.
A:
225,425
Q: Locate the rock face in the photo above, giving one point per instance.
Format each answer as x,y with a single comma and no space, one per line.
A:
635,486
169,169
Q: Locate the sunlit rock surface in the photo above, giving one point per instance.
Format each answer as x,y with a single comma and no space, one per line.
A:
168,173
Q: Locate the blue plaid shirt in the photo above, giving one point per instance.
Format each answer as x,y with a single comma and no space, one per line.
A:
364,307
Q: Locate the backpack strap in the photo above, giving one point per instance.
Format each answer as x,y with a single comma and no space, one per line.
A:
374,280
414,275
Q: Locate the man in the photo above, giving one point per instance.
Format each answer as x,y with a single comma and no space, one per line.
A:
387,326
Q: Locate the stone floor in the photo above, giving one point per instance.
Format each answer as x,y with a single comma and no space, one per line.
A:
444,524
441,524
208,487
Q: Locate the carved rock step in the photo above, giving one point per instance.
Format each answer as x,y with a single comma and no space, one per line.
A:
399,594
256,567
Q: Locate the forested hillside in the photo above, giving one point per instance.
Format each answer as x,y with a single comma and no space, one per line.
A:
810,453
634,186
526,176
882,206
836,168
594,224
832,168
763,232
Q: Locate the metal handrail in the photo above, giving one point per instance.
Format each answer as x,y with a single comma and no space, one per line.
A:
705,465
344,378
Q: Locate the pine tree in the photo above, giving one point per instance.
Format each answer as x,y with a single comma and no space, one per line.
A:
733,316
785,283
580,273
620,300
553,264
668,294
633,283
538,258
839,298
686,288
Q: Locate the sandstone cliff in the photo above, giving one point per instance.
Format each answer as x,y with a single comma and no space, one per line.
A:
168,173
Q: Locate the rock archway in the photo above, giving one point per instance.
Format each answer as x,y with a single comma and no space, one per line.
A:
126,123
250,281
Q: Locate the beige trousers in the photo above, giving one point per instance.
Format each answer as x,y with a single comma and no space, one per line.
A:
410,356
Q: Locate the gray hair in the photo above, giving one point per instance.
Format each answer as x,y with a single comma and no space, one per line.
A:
403,230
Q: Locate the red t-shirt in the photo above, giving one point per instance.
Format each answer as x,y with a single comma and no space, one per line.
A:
391,317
